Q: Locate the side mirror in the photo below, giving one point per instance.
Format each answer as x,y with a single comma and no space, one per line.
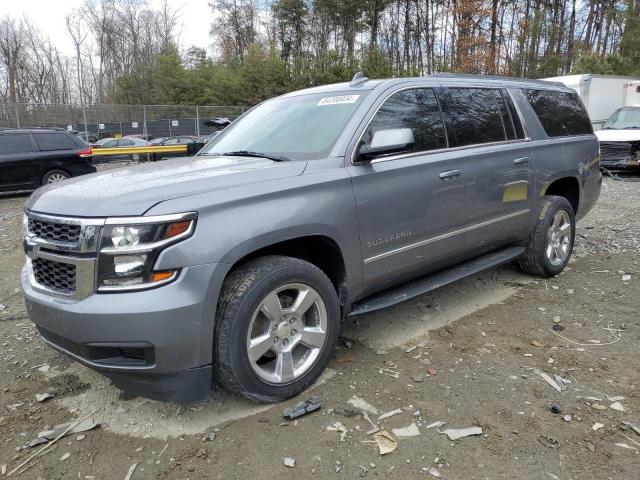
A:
386,142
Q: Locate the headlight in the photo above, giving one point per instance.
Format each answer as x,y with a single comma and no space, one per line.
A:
129,249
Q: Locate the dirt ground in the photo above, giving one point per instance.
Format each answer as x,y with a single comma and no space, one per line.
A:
469,354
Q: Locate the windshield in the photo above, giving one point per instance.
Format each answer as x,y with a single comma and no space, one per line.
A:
304,127
623,118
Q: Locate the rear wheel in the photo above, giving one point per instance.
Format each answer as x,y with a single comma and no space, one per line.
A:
276,326
54,176
551,243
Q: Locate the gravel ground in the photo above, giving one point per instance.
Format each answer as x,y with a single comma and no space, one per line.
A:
469,354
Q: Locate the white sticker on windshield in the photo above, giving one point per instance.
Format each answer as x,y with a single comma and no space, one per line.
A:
339,99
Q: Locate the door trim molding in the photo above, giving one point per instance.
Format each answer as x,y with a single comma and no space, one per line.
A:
445,236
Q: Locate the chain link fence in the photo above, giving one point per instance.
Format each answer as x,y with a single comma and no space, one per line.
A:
118,120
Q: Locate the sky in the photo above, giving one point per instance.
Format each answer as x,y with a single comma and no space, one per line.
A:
48,16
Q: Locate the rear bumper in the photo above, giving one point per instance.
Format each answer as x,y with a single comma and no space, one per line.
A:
155,343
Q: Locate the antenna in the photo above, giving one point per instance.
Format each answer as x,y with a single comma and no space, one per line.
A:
358,79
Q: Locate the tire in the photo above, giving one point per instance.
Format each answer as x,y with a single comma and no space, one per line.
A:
54,176
547,237
242,305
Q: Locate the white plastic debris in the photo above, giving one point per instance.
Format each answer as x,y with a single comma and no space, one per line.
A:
434,472
408,431
390,414
550,381
41,397
437,424
65,456
456,433
132,469
626,445
597,426
289,462
617,406
363,405
44,368
615,399
633,427
626,277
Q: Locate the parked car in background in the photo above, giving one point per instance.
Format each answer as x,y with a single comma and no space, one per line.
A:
88,137
239,264
31,157
620,139
157,140
181,140
142,136
123,142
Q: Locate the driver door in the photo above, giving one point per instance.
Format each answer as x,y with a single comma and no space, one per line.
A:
412,205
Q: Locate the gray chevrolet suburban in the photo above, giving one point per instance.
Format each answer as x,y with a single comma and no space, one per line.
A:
235,267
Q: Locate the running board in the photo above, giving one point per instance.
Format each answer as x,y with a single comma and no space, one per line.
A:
432,282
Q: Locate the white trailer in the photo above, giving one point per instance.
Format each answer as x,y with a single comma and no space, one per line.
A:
601,94
632,94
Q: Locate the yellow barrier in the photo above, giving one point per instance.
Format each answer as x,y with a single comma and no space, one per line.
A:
130,150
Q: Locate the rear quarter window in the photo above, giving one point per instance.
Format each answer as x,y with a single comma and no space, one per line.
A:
11,143
560,113
54,141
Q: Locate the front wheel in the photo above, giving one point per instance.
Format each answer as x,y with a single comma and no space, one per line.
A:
551,243
277,323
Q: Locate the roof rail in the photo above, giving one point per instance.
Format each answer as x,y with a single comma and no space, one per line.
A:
358,79
493,77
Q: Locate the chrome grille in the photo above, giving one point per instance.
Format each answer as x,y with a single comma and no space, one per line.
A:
57,276
58,232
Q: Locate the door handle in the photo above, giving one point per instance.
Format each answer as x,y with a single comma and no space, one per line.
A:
521,161
450,174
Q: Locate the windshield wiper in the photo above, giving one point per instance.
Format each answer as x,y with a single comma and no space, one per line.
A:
247,153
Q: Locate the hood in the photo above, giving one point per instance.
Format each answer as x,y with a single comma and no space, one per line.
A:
134,190
629,135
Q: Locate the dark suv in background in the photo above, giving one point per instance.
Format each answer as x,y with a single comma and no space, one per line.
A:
31,157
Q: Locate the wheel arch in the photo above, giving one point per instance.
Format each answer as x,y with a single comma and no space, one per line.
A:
320,250
567,187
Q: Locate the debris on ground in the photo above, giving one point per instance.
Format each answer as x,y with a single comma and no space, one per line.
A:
567,418
385,441
302,408
438,424
408,431
550,381
633,427
456,433
132,469
363,405
549,442
55,432
374,428
597,426
626,445
41,397
397,411
44,368
289,462
65,456
338,427
617,406
433,471
555,408
209,437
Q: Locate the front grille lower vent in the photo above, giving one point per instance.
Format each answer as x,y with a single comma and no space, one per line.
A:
57,276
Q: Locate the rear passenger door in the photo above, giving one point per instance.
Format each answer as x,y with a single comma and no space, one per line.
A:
485,125
410,205
57,150
18,162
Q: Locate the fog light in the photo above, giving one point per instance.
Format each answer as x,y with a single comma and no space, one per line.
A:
129,265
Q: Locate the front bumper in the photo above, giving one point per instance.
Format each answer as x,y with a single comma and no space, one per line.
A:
156,343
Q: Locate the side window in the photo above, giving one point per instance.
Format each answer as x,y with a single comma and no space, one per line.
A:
560,113
54,141
478,115
171,141
110,144
416,109
517,124
11,143
126,143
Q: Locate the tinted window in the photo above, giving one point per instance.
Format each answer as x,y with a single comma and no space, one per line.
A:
110,143
561,113
126,143
517,124
477,115
54,141
15,143
416,109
